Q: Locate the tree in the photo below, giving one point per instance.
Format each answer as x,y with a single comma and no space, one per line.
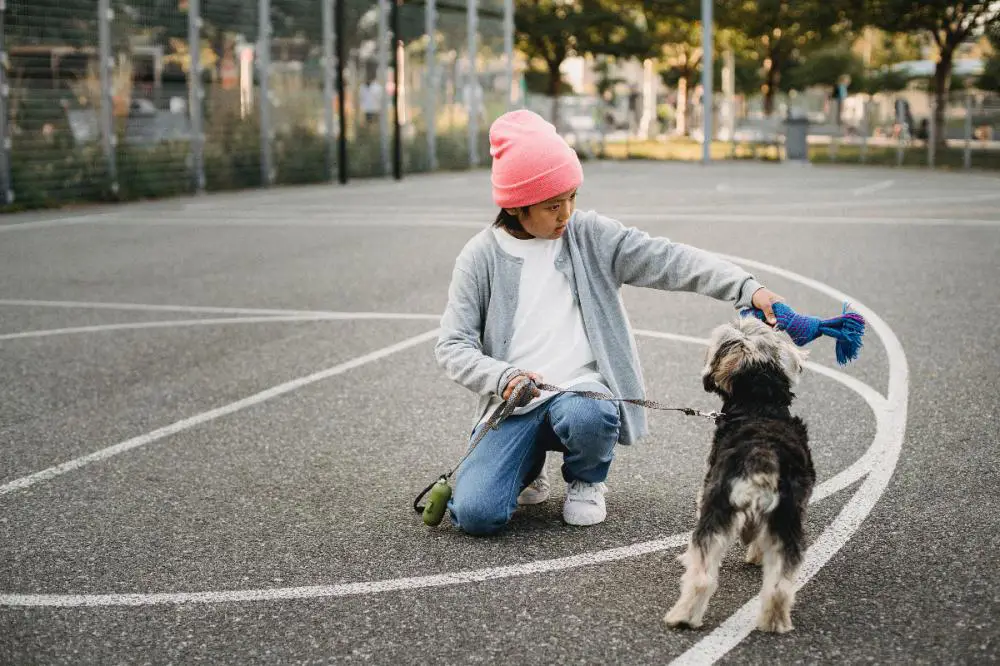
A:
554,30
681,51
990,78
786,31
823,67
949,24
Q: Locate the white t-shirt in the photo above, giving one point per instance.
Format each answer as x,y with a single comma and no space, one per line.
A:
548,335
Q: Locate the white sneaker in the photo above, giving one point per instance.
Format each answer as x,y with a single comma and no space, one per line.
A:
585,503
537,491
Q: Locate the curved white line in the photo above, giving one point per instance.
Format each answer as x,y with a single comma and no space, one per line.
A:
889,435
823,490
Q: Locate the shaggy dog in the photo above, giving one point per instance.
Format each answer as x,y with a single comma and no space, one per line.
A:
760,473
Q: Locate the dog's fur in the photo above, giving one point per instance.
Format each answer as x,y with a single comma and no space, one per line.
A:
760,473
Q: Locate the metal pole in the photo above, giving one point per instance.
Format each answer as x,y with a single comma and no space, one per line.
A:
397,142
104,17
6,188
865,127
338,23
967,156
328,84
707,65
264,73
196,95
508,48
899,147
472,98
382,51
431,89
932,135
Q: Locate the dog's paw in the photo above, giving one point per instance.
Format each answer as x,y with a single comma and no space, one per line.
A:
775,624
677,618
754,554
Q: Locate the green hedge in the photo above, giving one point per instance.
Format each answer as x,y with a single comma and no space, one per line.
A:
48,174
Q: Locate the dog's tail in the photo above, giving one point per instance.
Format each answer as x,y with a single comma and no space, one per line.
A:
755,491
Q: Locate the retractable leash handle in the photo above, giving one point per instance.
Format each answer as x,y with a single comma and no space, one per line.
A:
439,493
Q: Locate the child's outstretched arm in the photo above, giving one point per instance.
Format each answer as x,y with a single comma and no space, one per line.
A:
642,260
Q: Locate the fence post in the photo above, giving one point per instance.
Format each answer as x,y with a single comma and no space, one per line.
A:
472,85
967,156
109,140
865,128
932,135
431,88
338,24
196,95
6,187
382,51
707,79
397,63
328,83
264,74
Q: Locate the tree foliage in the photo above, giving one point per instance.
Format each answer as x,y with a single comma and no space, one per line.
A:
784,32
949,25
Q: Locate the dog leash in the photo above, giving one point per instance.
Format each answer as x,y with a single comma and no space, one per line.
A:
440,491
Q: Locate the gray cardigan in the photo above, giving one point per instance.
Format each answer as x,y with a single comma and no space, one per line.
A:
598,256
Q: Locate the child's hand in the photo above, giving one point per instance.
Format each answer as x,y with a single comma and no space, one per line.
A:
763,299
535,377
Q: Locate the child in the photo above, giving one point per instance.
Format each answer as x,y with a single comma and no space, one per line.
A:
537,295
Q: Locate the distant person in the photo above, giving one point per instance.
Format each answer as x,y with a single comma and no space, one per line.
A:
371,101
537,295
923,132
904,119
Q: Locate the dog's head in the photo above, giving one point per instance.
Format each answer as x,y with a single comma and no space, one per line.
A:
745,346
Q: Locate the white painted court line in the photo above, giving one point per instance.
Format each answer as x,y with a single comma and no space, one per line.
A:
823,490
847,203
348,589
890,432
813,219
201,309
205,417
56,222
873,187
181,323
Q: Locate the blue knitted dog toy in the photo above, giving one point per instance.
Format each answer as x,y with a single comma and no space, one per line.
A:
847,328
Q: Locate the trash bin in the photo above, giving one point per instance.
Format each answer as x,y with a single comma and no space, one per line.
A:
796,138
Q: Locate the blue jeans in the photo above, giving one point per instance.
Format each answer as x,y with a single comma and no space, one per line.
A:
510,457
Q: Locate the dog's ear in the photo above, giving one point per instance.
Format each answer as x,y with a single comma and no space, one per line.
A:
793,358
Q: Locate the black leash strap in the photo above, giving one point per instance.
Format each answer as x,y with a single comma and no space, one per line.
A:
522,395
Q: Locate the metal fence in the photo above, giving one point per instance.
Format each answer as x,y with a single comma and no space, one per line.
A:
891,129
105,99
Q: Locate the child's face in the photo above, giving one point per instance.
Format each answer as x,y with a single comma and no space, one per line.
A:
549,218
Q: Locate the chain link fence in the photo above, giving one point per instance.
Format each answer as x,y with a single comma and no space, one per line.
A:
890,129
108,100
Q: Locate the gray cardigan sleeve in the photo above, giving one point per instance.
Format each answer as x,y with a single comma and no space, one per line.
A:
459,349
641,260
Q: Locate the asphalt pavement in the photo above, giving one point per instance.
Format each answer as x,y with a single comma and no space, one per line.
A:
215,412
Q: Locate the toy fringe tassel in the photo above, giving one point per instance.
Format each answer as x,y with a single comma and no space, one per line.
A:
847,328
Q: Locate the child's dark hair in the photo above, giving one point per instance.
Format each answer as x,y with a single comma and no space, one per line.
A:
509,221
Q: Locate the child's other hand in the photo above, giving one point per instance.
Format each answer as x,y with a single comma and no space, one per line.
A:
763,299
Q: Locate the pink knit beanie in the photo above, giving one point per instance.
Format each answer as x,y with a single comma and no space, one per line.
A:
531,162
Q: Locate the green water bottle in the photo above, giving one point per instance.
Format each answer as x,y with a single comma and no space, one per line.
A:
437,503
